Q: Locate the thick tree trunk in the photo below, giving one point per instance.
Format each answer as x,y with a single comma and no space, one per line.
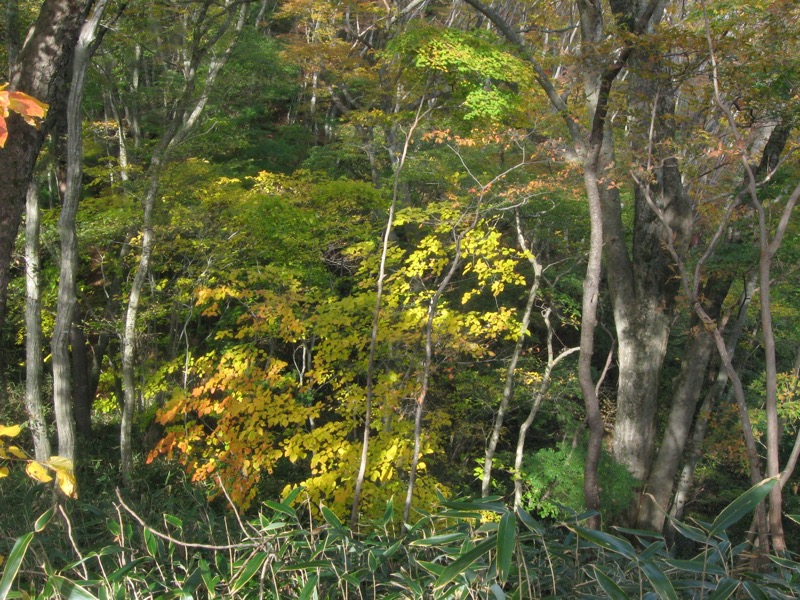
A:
33,330
686,479
40,71
687,386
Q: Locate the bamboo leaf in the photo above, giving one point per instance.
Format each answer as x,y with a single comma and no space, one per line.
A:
754,590
608,541
251,567
309,590
13,563
151,543
609,586
332,519
743,505
44,519
659,581
506,545
726,587
465,561
436,540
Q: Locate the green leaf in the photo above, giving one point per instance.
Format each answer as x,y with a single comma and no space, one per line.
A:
431,567
13,563
465,561
309,590
689,532
608,541
754,590
251,567
743,505
609,586
726,587
436,540
332,519
70,589
281,508
151,543
123,570
44,519
174,521
498,592
695,566
309,564
506,545
659,581
530,522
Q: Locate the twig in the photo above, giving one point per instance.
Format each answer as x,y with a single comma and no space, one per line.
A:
172,540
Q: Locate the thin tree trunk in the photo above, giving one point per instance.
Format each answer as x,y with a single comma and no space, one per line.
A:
686,479
33,329
40,71
398,162
62,385
186,116
508,387
82,405
426,374
768,248
538,397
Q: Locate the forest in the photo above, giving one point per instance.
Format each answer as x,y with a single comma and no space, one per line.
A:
399,299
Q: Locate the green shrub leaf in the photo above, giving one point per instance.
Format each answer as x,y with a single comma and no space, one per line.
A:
13,563
506,545
743,505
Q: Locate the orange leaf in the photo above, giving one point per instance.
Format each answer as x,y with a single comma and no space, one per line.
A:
28,106
3,132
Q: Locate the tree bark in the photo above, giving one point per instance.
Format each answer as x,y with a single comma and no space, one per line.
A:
82,405
62,383
508,387
688,386
33,330
39,71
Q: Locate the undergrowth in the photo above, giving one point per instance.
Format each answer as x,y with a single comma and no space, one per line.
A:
465,549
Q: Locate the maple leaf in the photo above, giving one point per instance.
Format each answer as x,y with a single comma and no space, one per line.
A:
28,107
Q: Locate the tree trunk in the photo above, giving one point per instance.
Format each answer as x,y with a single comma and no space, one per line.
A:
508,387
686,479
688,385
82,405
33,329
40,71
185,116
62,384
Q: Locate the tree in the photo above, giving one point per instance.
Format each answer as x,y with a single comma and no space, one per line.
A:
39,69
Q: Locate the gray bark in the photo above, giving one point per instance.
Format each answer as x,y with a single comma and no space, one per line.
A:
687,387
40,71
508,387
686,479
33,330
62,383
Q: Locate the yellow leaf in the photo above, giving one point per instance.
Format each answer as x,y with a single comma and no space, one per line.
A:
37,471
17,452
11,431
3,472
59,463
67,483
